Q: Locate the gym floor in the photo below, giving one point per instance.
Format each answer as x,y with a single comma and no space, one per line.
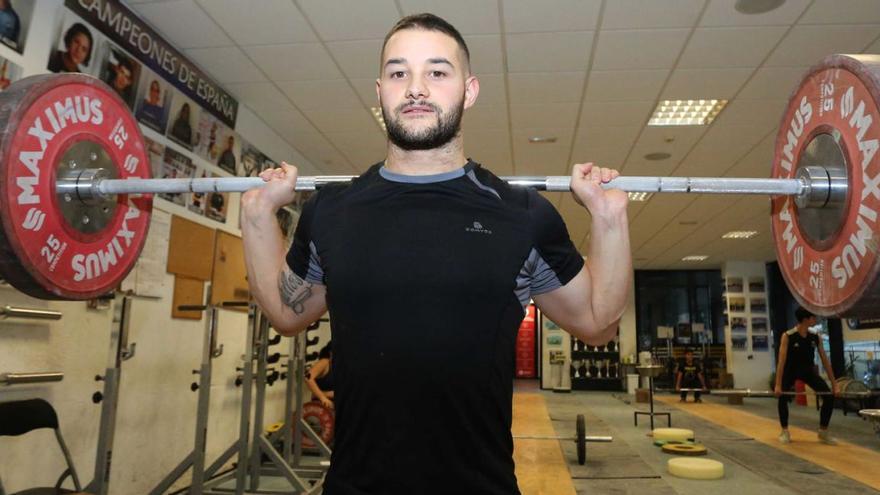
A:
742,437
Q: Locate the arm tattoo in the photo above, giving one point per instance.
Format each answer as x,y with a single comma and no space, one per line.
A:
294,290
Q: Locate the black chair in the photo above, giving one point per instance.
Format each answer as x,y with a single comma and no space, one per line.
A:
22,416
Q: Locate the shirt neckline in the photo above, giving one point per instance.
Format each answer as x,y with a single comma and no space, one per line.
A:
425,179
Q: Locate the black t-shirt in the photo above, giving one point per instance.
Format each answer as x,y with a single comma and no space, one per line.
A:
801,355
689,371
427,278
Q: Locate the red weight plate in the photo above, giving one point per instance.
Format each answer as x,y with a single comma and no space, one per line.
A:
45,120
838,276
321,419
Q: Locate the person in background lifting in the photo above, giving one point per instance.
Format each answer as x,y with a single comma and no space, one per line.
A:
320,377
797,354
690,375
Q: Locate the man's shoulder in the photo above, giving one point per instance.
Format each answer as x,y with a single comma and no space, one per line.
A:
335,191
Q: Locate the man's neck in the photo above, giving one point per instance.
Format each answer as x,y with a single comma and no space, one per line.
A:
446,158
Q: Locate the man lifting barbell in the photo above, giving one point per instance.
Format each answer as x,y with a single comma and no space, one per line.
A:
797,350
76,197
430,248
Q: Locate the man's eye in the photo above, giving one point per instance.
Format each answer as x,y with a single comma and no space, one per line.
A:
397,75
438,73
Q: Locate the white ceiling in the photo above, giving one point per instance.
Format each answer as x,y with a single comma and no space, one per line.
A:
586,71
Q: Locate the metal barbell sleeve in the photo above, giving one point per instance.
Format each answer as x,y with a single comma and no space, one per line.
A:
29,313
21,378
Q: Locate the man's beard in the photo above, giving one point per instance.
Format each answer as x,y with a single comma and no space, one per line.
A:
446,128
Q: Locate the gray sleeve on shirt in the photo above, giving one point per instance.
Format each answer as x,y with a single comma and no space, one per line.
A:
535,277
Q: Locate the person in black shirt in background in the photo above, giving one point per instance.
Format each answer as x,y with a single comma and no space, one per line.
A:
689,375
320,377
426,263
797,353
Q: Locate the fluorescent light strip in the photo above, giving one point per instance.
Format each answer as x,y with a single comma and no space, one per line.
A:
740,234
639,196
377,114
686,112
695,257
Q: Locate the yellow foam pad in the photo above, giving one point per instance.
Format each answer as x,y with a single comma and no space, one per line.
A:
673,434
693,468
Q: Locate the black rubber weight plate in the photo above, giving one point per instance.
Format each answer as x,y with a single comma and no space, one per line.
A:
581,439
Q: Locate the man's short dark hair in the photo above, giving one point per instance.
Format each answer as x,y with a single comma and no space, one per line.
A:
688,351
429,22
75,29
802,314
125,62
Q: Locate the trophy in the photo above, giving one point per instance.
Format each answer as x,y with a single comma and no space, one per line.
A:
575,368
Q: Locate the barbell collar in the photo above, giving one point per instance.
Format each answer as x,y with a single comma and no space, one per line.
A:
88,189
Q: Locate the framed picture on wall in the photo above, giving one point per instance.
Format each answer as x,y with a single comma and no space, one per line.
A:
229,150
74,46
738,324
251,162
737,304
120,71
174,166
196,201
758,305
9,73
756,284
153,101
156,153
181,125
217,205
735,284
15,22
760,343
759,325
739,343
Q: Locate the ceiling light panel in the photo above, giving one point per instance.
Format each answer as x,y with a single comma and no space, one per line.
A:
740,234
686,112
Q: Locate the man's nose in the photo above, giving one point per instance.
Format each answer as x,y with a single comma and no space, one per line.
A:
416,89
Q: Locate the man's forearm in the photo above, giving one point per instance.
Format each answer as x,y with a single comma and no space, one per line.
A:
264,257
610,267
829,371
780,371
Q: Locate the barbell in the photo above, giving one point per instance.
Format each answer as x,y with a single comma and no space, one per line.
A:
747,392
76,188
580,439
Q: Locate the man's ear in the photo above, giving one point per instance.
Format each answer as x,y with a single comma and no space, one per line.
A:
471,91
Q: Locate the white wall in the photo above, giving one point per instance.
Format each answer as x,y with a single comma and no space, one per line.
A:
156,415
868,335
